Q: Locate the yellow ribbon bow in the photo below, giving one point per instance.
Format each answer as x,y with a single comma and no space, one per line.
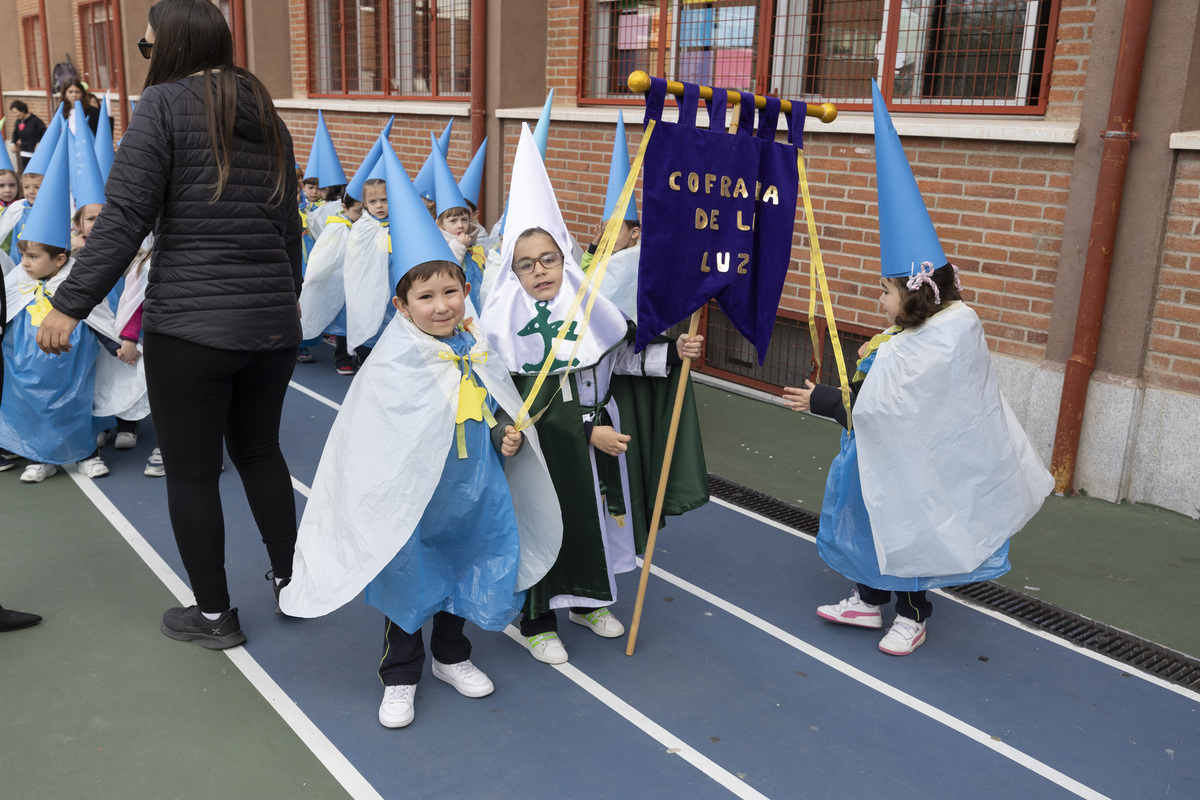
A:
472,399
40,307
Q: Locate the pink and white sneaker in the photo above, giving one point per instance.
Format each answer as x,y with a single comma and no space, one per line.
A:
852,611
904,636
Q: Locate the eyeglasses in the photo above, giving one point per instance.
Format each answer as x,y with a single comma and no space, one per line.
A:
547,260
147,48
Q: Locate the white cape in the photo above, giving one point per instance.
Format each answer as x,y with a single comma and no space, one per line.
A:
948,474
383,460
318,218
324,291
367,278
620,282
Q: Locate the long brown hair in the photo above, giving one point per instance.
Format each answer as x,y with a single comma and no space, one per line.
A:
88,100
191,36
922,303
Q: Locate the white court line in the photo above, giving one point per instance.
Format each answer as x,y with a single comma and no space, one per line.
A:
674,744
886,689
1108,661
338,765
320,398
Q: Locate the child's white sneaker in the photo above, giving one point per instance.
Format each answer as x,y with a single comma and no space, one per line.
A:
154,465
852,611
601,622
396,710
126,440
468,679
93,467
36,473
903,637
547,648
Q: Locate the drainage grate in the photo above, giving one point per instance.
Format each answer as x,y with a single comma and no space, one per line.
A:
1162,662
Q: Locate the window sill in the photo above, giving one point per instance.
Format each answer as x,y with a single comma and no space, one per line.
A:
943,126
1185,140
437,108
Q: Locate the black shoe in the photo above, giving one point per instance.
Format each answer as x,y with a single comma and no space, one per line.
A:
15,620
6,464
276,587
189,625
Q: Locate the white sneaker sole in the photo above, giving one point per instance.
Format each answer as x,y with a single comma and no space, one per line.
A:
465,691
580,619
874,622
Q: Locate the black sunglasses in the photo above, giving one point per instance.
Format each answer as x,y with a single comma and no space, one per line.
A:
147,48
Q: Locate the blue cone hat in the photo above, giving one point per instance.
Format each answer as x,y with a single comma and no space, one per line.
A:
355,188
618,173
906,234
415,237
41,154
5,161
87,186
104,141
472,179
424,180
541,134
446,192
323,162
49,221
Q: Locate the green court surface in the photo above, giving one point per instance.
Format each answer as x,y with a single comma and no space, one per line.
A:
1135,567
96,702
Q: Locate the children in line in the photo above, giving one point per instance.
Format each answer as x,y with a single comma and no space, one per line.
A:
323,299
10,187
454,538
367,271
935,473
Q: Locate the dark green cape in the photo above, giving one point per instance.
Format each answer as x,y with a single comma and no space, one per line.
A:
645,406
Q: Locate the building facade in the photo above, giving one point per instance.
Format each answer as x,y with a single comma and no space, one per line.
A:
1000,105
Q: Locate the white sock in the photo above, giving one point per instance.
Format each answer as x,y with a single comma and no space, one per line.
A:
278,581
211,617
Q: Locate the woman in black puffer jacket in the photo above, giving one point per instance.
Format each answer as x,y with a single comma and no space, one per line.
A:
206,164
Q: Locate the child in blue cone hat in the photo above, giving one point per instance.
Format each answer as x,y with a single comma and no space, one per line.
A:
452,539
454,221
935,473
14,217
46,410
621,276
424,182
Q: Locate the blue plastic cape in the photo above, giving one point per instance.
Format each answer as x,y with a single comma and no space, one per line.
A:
845,541
46,411
443,566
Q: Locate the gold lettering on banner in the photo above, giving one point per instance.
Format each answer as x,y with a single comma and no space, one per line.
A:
701,219
742,227
704,267
726,181
739,189
709,180
771,195
712,219
693,182
723,263
744,259
672,181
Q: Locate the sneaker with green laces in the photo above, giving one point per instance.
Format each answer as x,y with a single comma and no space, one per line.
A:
600,621
547,648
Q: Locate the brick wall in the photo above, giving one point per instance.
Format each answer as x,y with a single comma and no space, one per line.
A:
298,19
1072,47
1173,354
562,48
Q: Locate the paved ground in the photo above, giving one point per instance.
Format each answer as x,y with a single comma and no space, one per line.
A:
736,688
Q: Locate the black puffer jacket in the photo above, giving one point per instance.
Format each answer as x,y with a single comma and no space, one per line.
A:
224,274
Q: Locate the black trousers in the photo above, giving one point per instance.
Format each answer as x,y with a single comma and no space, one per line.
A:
404,652
913,605
202,398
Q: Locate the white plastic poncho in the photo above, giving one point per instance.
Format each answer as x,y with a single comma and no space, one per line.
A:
948,474
319,217
324,292
367,278
379,471
10,220
620,282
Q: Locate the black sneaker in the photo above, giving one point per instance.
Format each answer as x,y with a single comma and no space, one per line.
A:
276,587
189,625
6,464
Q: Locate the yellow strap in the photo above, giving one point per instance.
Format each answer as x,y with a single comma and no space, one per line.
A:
594,276
472,399
40,307
339,219
817,276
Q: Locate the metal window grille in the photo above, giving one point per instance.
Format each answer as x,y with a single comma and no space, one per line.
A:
35,73
389,48
789,361
987,56
96,30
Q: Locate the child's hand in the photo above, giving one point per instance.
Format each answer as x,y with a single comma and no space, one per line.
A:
689,346
862,351
78,241
464,238
606,439
798,399
511,442
128,352
599,232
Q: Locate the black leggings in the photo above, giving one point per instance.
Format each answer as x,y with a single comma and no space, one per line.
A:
202,396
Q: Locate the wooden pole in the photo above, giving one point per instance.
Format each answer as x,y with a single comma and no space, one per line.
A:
660,497
639,82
